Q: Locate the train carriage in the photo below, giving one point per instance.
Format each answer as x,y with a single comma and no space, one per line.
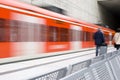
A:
27,30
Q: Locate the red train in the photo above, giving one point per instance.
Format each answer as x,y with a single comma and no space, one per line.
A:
27,30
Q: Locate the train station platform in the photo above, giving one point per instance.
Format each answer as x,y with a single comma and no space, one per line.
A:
78,66
104,67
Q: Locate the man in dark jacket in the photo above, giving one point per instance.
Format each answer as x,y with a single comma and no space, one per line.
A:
99,39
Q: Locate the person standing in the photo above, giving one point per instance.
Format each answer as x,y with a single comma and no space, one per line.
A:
99,39
116,39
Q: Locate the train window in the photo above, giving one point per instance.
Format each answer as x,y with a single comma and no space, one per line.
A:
27,32
33,32
84,36
30,32
13,30
19,31
37,34
53,35
81,36
64,34
78,35
92,36
71,31
2,23
87,36
3,30
75,35
42,31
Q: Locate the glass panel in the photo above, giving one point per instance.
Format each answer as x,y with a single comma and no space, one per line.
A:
3,30
64,34
53,34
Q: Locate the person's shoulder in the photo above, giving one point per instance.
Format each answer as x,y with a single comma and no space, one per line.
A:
96,32
117,33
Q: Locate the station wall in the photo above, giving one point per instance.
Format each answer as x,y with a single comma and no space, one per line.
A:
85,10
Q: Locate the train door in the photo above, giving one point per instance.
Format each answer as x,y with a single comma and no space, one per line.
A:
57,36
26,34
75,37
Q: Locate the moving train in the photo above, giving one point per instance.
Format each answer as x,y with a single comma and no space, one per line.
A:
27,30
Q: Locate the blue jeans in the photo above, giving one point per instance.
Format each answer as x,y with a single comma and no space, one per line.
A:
97,49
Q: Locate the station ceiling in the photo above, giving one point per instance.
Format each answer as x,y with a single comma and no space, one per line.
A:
114,7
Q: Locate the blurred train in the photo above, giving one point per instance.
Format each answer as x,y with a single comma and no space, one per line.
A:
27,30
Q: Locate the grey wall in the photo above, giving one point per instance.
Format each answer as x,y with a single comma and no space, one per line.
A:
85,10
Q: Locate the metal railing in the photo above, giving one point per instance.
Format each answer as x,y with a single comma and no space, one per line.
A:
104,67
55,75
